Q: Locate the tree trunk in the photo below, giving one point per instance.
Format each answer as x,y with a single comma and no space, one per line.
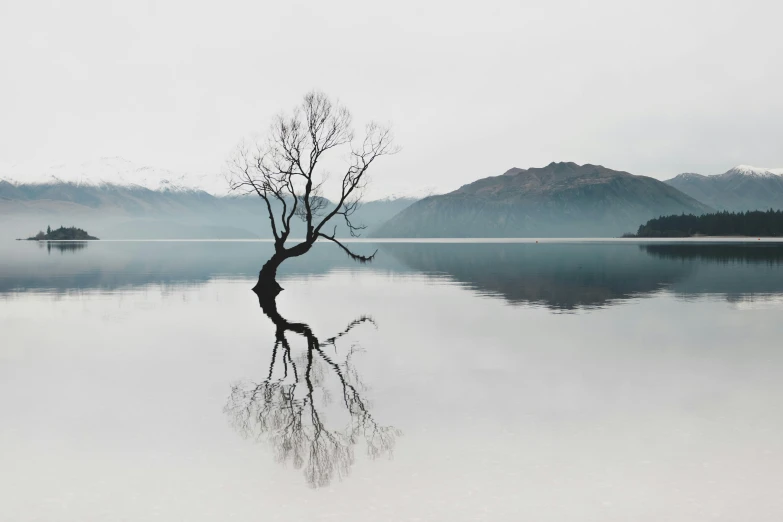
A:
267,278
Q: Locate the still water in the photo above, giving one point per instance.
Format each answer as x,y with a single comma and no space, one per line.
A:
617,381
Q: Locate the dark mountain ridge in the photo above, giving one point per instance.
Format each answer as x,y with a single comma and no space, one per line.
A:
559,200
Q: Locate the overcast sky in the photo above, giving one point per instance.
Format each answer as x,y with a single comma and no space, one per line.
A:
472,88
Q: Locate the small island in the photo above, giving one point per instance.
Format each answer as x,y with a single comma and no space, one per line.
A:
745,224
63,234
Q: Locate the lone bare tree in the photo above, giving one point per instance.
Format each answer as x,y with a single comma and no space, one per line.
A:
286,171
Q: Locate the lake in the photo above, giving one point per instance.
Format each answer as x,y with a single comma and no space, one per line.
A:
445,381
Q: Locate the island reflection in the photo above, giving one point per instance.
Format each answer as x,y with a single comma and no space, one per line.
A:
299,405
63,246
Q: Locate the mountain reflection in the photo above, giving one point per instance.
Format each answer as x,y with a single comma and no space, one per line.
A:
765,253
109,266
569,276
292,406
737,272
560,276
564,276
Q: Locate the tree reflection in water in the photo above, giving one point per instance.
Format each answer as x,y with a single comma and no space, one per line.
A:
63,246
288,407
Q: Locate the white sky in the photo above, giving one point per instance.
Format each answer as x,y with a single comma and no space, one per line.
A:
472,88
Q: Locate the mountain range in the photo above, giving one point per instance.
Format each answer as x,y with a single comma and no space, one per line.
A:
114,172
115,199
559,200
739,189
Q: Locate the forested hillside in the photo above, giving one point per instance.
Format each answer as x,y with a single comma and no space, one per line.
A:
754,223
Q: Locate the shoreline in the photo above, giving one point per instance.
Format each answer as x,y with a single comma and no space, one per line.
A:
472,240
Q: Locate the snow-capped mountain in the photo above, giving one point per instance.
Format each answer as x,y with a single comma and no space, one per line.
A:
747,170
114,171
740,188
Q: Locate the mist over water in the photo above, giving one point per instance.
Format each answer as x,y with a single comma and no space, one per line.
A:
477,381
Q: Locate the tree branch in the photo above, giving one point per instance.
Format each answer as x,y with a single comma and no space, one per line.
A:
355,257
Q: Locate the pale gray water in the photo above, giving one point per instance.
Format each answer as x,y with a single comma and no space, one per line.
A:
552,382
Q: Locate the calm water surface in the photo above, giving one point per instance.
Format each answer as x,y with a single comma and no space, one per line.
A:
444,382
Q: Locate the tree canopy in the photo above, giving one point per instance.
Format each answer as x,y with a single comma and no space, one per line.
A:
63,234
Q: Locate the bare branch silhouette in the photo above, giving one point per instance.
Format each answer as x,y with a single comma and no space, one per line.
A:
285,172
284,408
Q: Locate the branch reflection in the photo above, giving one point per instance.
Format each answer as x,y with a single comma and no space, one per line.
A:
290,407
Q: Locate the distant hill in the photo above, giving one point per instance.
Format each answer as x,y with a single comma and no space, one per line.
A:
738,189
112,211
130,200
559,200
